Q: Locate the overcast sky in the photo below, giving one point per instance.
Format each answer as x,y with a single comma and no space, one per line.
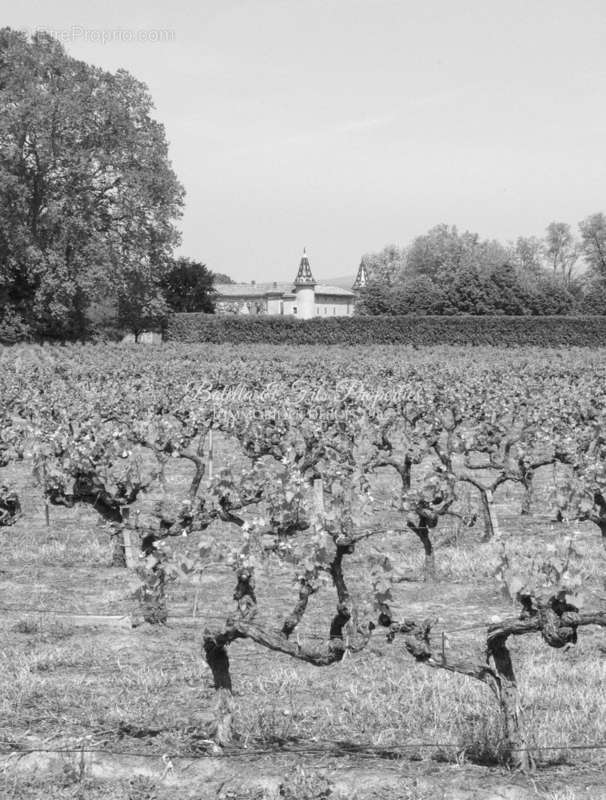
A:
345,125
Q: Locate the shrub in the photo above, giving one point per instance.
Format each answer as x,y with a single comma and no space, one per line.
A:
412,330
12,327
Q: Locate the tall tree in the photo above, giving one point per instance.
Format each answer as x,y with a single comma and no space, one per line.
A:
442,252
140,306
387,266
188,286
469,292
528,255
547,295
420,295
593,237
88,194
562,250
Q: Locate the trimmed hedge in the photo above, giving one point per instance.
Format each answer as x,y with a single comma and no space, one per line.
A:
411,330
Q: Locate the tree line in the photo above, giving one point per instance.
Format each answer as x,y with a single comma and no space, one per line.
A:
448,272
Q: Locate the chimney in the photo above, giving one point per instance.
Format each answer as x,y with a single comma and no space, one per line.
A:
275,284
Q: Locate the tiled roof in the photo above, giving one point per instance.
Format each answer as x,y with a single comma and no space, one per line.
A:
325,288
261,289
251,290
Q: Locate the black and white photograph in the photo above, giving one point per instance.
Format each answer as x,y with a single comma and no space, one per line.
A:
303,400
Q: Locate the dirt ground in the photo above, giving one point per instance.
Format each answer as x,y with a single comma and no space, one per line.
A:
96,704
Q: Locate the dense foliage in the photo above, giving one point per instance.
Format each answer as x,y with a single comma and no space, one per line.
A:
221,277
188,286
89,199
386,329
448,272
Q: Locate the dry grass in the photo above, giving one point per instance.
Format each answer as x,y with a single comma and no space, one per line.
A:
96,680
148,688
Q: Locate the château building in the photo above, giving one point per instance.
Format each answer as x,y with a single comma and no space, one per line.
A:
304,297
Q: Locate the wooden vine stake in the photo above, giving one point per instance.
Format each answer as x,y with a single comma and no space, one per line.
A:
211,454
492,515
129,550
118,548
46,507
318,499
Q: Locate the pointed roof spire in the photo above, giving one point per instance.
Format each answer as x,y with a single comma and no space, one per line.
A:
304,274
361,278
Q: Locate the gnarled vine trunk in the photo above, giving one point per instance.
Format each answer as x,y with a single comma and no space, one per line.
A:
152,594
506,690
118,549
429,562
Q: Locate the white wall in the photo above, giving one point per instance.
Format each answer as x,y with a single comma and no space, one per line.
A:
327,306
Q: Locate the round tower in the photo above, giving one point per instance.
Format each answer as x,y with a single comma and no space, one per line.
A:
305,288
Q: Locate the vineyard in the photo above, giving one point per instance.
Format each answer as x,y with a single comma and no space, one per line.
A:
265,569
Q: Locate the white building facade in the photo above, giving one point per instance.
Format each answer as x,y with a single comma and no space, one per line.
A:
304,298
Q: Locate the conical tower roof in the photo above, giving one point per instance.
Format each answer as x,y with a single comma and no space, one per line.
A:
304,275
361,278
